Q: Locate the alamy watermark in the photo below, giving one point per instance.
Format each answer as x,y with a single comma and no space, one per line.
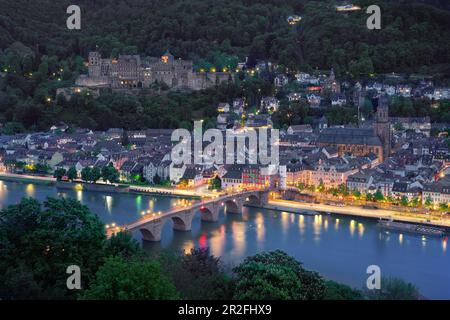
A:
242,146
74,20
374,280
74,280
374,21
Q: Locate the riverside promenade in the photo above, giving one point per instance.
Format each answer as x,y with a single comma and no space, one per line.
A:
362,212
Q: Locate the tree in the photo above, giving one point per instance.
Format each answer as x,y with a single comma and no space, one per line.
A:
123,245
428,202
321,186
157,179
276,275
356,194
198,275
110,174
120,279
342,189
415,202
96,174
216,183
378,196
72,173
443,207
399,127
404,201
394,289
40,240
338,291
59,173
86,174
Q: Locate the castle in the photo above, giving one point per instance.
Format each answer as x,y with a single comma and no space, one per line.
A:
130,71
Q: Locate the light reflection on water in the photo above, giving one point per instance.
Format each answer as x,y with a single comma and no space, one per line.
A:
338,247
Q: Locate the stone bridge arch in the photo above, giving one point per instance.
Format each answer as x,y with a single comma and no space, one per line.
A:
209,212
152,230
233,205
253,199
182,221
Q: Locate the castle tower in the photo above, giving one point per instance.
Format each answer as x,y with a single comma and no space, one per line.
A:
94,64
382,125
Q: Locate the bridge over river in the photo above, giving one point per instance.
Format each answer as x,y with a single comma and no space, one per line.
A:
151,225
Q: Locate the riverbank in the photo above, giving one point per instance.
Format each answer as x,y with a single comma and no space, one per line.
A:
151,191
22,178
358,212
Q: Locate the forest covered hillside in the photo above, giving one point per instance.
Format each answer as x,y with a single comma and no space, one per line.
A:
414,36
38,54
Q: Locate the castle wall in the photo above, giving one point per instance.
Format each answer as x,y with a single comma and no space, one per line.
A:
128,72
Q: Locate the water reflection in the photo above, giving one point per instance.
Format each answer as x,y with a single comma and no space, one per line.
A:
109,203
360,229
238,234
285,221
260,228
30,190
301,223
352,227
79,194
217,242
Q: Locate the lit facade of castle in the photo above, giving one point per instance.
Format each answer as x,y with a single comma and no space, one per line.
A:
130,71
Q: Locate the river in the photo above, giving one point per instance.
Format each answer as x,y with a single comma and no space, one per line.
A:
340,248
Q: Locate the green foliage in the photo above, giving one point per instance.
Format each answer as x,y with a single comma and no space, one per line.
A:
428,202
407,40
198,275
338,291
414,37
357,194
110,174
378,196
216,183
96,174
276,275
404,201
39,242
86,174
59,173
120,279
72,173
156,179
123,245
393,289
443,207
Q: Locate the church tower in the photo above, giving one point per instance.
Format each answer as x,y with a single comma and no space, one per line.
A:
382,125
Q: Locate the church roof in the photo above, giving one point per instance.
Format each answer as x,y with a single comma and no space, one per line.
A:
357,136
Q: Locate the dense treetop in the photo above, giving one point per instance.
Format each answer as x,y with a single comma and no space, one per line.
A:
413,34
38,54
